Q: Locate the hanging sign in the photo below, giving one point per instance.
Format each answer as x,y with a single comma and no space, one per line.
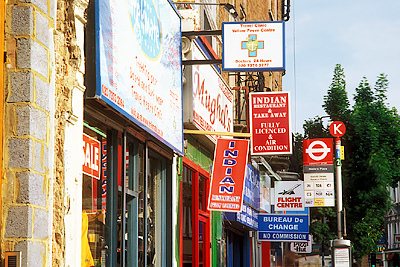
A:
91,151
281,227
289,196
302,247
227,179
253,46
139,65
270,123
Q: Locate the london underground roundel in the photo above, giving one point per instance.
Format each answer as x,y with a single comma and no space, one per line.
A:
318,151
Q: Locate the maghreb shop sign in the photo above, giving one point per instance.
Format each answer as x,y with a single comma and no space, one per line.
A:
270,123
91,151
227,179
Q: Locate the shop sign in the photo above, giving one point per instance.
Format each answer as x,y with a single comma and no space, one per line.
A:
248,216
265,192
302,247
251,194
270,123
91,152
212,108
253,46
280,227
289,195
139,65
227,179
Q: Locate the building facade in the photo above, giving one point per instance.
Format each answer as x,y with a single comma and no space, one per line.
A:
90,179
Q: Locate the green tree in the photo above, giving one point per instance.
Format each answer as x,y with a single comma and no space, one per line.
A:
372,151
373,164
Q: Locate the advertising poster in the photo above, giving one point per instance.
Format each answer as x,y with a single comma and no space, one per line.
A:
253,46
138,65
227,178
270,123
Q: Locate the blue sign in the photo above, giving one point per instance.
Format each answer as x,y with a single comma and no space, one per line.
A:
251,192
248,216
280,227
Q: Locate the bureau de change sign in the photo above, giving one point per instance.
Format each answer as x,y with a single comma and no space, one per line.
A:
282,227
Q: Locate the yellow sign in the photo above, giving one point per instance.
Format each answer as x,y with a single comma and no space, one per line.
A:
342,152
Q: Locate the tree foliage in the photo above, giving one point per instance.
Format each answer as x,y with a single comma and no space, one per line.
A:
372,152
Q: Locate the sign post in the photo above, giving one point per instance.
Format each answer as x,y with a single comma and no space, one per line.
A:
337,129
341,247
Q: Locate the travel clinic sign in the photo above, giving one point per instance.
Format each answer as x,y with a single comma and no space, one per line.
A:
270,123
253,46
138,46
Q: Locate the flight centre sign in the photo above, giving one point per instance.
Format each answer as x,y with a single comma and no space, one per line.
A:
289,196
282,227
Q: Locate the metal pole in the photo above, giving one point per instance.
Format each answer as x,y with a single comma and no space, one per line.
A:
339,188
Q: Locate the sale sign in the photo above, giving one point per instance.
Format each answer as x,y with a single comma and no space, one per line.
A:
270,123
91,151
227,179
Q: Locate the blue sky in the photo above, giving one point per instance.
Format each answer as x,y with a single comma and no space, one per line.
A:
361,35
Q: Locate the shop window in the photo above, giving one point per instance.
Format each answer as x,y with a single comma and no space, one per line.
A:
195,236
124,210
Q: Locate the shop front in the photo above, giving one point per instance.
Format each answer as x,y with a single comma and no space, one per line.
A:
133,133
240,227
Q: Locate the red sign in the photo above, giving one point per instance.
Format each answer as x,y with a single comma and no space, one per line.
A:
227,179
91,151
318,151
269,123
337,128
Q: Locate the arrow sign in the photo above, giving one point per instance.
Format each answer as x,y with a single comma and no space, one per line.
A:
337,129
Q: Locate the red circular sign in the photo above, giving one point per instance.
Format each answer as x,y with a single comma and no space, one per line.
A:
337,128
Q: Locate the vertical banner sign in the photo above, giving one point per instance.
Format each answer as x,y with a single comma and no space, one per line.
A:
227,179
319,187
139,65
253,46
270,123
91,151
289,196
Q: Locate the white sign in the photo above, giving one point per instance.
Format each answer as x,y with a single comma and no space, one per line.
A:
289,195
319,189
342,257
253,46
139,68
212,98
302,247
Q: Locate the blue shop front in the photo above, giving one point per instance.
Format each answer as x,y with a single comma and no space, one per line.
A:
240,228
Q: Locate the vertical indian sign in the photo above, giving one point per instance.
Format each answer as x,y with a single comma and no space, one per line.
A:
270,123
139,68
227,179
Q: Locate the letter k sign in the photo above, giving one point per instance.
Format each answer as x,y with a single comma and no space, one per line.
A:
337,128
